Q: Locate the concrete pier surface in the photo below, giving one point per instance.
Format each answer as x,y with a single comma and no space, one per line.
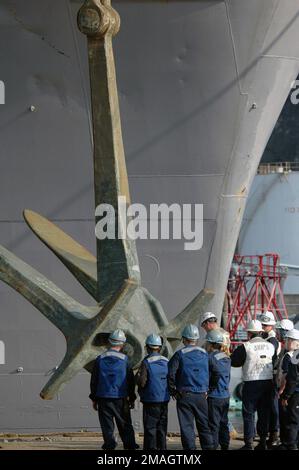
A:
81,441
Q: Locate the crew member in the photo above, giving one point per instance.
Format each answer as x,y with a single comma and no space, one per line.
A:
209,323
151,379
268,323
255,357
291,346
282,327
218,395
290,400
188,380
112,393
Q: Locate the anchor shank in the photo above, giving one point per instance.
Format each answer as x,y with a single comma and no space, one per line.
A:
116,258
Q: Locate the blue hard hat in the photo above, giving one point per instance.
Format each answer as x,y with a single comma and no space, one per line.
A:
117,337
215,336
153,340
190,332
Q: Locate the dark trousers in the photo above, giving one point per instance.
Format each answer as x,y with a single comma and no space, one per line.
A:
274,411
292,422
118,409
218,421
190,407
155,418
256,397
282,421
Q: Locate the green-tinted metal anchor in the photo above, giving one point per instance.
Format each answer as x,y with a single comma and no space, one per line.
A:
113,278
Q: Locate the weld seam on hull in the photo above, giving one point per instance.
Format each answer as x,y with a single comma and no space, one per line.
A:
234,195
201,175
243,93
270,56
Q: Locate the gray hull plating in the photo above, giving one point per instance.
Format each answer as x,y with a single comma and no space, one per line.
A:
201,84
273,203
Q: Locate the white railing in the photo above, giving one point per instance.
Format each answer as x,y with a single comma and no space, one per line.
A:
277,167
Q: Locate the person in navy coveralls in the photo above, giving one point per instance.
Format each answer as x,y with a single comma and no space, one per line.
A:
112,391
152,384
188,381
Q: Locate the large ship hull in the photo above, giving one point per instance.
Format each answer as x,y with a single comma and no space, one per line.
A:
201,85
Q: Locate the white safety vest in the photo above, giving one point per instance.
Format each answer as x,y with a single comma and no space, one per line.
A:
280,375
295,357
272,334
258,364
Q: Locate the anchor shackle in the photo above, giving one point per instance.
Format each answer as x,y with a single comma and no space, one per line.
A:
97,19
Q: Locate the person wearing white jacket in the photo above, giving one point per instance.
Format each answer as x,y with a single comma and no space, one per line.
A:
256,359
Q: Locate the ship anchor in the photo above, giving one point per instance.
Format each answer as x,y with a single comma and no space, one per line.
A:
113,277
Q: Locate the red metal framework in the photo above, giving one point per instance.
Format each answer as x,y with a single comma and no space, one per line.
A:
255,285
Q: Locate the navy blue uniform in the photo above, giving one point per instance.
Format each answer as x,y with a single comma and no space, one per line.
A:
291,393
154,394
188,380
218,398
274,412
282,409
112,383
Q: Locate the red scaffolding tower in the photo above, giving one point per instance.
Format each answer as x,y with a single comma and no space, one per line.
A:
255,285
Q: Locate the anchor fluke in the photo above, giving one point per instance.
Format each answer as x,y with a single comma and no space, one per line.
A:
80,346
78,260
191,314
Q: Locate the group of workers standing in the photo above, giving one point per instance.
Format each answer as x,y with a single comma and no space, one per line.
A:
271,383
198,379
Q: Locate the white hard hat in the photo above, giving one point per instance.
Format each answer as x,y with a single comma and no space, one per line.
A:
254,326
292,334
285,324
208,316
267,318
